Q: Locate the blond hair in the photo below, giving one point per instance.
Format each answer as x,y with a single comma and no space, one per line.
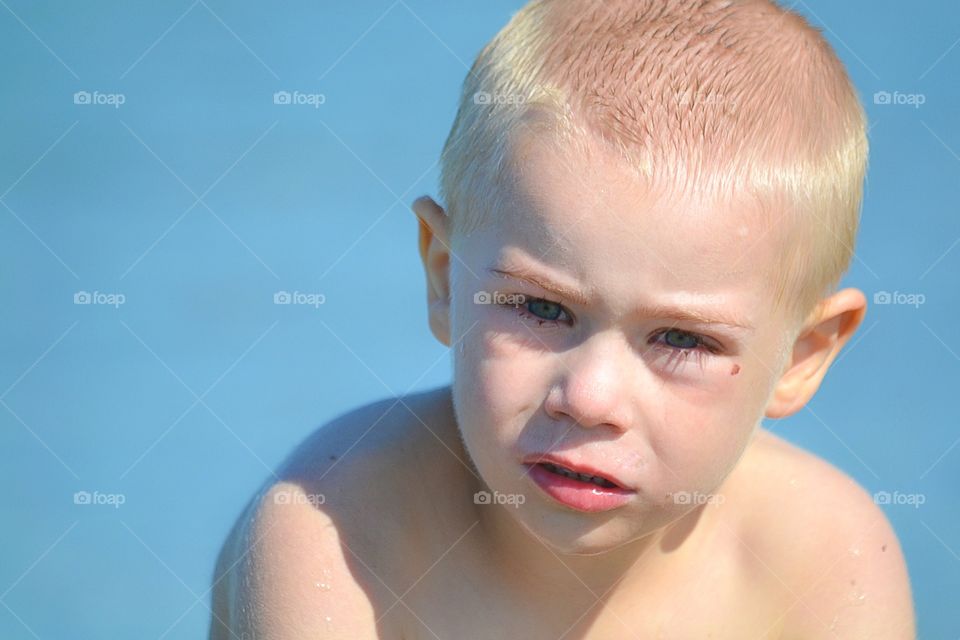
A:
725,97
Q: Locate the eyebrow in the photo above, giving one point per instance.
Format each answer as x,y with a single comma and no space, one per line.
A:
673,312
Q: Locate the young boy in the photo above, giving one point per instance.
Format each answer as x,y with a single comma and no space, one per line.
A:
648,207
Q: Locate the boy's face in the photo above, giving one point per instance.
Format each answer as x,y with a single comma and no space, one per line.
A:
662,403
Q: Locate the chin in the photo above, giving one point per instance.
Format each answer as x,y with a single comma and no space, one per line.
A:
569,533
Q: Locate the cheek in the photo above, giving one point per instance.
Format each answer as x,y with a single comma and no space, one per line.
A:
703,430
717,391
499,380
507,362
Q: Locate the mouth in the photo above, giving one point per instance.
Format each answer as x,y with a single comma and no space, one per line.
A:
577,486
582,477
579,472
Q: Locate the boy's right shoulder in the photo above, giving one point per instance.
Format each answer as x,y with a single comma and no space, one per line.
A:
315,549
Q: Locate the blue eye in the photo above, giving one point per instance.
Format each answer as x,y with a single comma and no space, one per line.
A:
681,339
684,346
543,311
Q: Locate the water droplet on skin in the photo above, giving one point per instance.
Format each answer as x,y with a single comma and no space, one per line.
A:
325,582
855,551
794,483
857,597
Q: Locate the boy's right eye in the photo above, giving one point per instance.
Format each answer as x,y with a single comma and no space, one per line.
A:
542,310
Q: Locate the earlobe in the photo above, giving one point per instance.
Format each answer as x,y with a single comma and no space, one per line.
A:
829,327
433,245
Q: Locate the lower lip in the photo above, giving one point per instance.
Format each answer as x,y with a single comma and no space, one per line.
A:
582,496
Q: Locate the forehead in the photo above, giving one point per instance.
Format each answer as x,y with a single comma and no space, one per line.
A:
589,214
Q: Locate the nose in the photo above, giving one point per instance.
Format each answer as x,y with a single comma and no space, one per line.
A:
593,389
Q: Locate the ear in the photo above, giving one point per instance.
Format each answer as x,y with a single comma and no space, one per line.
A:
822,336
434,243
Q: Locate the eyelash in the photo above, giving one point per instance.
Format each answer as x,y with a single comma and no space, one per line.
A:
701,350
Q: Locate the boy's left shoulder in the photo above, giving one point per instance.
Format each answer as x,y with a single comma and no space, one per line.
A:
825,545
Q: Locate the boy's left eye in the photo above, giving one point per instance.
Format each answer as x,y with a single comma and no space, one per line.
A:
681,339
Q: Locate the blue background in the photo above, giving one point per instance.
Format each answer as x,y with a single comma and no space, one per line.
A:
199,198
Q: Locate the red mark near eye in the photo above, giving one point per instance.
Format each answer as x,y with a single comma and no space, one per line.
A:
735,370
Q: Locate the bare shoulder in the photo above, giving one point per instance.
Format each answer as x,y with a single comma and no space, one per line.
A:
313,554
824,545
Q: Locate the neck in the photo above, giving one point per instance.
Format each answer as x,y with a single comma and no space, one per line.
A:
530,563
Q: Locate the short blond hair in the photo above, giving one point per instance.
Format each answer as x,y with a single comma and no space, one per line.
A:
725,97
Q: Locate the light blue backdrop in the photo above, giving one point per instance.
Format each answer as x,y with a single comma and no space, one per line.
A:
198,198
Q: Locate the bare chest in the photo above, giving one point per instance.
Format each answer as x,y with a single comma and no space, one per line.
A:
717,600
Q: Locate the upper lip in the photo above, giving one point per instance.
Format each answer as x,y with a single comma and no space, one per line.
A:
578,467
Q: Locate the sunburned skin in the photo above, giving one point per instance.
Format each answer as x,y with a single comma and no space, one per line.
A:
765,562
730,532
417,518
